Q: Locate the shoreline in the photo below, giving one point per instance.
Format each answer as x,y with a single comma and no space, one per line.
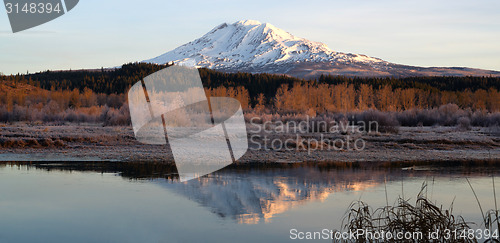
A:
93,142
159,170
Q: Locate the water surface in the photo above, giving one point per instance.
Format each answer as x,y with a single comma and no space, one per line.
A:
89,202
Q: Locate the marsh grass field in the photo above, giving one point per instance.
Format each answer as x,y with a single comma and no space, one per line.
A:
117,143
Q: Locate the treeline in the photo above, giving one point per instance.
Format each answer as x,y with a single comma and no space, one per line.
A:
100,95
432,83
24,102
419,92
120,79
280,93
346,97
107,81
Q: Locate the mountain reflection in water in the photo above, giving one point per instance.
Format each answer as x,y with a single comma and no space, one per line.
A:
258,195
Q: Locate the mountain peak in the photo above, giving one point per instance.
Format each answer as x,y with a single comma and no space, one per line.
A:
247,22
249,45
252,46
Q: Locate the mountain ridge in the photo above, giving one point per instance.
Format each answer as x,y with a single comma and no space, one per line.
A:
252,46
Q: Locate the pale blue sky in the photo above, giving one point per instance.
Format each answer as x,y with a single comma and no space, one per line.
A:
108,33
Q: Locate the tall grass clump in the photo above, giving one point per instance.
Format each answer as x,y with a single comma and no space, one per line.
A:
491,218
423,216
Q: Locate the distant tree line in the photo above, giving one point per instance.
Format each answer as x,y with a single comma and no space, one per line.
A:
107,81
119,80
100,95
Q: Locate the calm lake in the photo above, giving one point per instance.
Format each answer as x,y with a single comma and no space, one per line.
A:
106,202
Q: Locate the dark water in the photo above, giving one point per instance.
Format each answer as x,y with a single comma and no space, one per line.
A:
99,202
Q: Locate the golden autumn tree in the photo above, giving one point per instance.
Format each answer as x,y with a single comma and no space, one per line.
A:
493,102
385,98
407,98
365,97
280,97
261,102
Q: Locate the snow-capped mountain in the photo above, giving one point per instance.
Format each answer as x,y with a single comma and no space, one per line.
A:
251,46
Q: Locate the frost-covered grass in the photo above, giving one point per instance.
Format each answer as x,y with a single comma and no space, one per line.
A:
445,133
50,113
449,115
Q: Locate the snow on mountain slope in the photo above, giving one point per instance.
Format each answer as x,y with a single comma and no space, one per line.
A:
252,43
251,46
